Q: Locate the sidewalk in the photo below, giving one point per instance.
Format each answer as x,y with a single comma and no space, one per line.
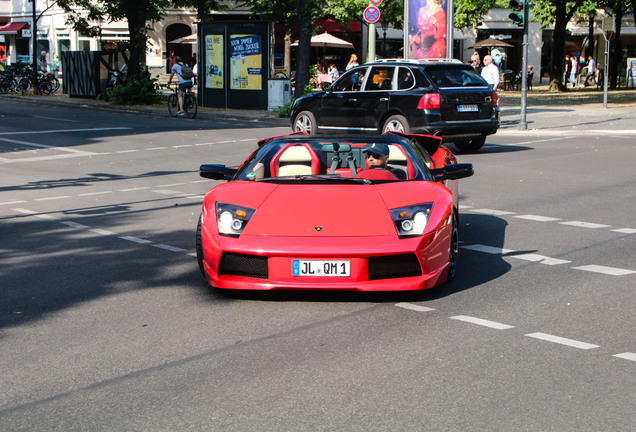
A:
574,112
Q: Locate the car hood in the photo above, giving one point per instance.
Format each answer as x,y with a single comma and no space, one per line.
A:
319,210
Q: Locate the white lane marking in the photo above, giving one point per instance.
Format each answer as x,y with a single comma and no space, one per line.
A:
12,202
537,218
102,231
24,211
169,248
492,212
126,151
171,185
563,341
414,307
53,198
47,217
182,145
464,207
584,224
193,197
135,239
156,148
625,230
167,192
132,189
95,193
74,224
193,254
627,356
540,259
57,119
44,146
612,271
200,181
65,131
482,322
488,249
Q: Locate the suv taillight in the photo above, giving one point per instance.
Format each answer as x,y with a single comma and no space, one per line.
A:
495,99
430,101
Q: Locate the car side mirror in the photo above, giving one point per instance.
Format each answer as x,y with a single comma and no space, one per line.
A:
217,172
453,172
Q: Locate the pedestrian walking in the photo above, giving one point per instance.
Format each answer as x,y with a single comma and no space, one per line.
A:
490,72
574,70
591,71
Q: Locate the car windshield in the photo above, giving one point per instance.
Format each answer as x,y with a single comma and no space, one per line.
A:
334,160
455,77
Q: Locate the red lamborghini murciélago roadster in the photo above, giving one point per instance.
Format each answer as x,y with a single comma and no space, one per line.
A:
303,212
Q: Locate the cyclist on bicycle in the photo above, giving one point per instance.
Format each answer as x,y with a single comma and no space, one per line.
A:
184,83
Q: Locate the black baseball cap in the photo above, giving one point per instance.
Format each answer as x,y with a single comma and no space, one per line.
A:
376,149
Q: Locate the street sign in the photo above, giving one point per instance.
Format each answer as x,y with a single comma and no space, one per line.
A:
375,2
371,14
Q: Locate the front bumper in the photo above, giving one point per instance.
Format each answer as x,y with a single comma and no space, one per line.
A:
429,253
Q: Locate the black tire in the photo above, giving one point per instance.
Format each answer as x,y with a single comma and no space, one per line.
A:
190,105
200,248
470,146
45,87
397,123
453,250
173,105
305,122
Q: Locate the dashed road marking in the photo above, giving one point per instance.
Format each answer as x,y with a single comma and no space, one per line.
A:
584,224
102,231
135,239
74,224
95,193
414,307
627,356
482,322
625,230
537,218
492,212
562,341
540,259
133,189
12,202
53,198
612,271
488,249
168,248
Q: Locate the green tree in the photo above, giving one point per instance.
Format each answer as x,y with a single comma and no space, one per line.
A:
86,15
557,13
616,9
468,13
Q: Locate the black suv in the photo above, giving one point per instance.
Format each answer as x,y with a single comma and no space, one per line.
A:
442,97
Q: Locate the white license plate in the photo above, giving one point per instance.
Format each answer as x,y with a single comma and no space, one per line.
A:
320,268
467,108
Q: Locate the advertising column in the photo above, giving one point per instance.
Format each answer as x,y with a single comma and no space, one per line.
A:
246,62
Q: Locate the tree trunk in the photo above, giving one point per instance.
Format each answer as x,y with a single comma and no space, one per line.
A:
303,53
137,32
616,57
590,36
558,51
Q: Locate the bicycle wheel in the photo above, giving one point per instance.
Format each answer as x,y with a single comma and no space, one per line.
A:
173,104
45,87
190,105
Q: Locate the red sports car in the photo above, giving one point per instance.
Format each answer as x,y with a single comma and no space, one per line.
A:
364,213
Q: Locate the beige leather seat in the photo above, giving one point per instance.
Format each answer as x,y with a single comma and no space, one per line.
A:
295,160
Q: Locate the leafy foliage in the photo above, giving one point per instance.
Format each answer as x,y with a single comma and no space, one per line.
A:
140,89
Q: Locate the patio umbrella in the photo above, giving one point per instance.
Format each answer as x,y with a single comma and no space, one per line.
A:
327,40
491,43
192,39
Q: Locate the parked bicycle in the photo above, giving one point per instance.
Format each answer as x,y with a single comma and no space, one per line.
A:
189,103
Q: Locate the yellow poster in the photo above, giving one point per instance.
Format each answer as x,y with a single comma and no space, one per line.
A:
246,62
214,61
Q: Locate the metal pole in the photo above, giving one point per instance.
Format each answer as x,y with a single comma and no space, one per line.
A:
523,123
450,25
372,35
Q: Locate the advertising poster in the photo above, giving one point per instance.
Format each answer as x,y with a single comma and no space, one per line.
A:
214,61
246,62
426,28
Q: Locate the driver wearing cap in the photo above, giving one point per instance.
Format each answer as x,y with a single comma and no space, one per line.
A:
377,155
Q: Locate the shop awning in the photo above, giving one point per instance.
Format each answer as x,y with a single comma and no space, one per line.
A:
12,28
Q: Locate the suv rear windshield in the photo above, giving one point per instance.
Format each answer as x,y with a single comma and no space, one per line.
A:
455,77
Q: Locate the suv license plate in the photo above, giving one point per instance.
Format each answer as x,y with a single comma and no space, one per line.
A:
467,108
321,268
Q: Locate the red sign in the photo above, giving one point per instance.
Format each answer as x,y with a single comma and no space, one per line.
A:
375,2
371,14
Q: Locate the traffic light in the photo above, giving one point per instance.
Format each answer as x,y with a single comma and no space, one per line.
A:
517,12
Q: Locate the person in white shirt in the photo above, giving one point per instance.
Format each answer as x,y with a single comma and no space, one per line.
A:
490,72
591,71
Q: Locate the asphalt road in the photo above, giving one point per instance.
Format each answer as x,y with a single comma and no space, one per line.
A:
107,325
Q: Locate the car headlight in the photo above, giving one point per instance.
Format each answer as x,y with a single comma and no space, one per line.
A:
231,219
411,221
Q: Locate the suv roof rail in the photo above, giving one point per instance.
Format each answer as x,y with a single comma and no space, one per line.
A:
418,61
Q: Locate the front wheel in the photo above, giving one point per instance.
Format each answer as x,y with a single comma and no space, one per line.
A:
470,146
396,123
190,105
173,104
305,122
453,250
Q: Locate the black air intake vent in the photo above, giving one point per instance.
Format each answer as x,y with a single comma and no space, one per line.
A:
394,266
233,264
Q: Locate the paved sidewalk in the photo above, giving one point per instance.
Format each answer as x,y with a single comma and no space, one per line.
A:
576,112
